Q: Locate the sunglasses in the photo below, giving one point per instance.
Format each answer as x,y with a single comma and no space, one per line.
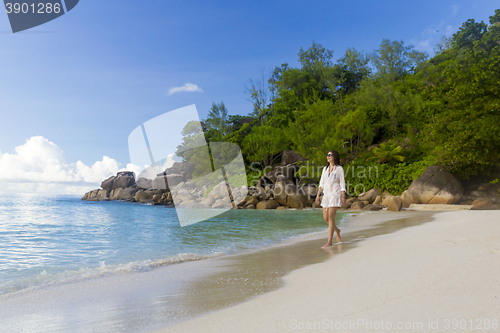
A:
329,155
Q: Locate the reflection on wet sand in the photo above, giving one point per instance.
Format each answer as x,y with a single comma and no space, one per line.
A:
247,275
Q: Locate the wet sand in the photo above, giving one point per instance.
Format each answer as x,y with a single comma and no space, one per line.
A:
244,276
184,296
391,269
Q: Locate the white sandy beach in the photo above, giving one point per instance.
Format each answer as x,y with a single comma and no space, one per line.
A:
439,276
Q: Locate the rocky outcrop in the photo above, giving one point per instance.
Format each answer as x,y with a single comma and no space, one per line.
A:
271,178
269,204
291,157
287,193
144,183
435,186
146,196
125,193
394,203
357,205
481,204
122,179
370,195
373,207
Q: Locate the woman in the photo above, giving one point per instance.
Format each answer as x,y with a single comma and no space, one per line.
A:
333,184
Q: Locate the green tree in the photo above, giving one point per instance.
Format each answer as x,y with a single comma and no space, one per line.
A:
466,132
264,144
258,96
217,122
313,133
394,60
469,32
445,43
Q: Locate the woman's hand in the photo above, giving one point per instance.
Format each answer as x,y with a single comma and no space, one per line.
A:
343,199
317,199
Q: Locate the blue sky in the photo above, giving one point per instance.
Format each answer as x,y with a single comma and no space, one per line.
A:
85,80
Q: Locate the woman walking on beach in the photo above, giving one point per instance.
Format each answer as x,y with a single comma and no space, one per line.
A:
333,184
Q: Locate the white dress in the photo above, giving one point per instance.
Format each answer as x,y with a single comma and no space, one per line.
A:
332,184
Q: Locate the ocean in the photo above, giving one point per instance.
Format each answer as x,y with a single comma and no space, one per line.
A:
52,241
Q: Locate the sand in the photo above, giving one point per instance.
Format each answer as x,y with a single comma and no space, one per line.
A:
435,276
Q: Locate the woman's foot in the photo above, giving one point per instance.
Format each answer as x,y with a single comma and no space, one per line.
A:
327,245
338,235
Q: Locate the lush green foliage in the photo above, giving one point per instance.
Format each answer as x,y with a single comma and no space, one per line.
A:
387,153
361,176
394,105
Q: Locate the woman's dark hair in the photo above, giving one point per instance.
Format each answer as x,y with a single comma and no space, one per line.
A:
336,157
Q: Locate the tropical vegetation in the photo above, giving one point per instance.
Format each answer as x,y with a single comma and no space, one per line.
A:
394,108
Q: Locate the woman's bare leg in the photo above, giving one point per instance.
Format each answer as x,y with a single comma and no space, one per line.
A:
331,219
325,215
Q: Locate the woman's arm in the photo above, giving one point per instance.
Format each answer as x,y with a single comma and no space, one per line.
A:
321,184
342,184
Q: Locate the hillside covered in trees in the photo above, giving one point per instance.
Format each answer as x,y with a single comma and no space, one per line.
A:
394,108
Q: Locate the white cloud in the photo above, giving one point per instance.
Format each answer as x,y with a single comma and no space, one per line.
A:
188,87
450,30
150,172
454,9
39,166
431,36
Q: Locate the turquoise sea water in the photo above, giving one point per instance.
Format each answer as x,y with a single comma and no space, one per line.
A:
47,240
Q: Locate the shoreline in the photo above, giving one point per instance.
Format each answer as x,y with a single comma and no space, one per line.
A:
133,302
249,276
383,278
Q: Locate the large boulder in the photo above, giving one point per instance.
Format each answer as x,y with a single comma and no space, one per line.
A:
160,182
291,157
357,205
407,199
287,171
348,204
253,201
123,179
373,207
208,201
144,183
108,183
222,203
103,194
127,193
369,196
311,190
394,204
287,193
221,190
175,179
269,204
484,205
315,205
183,169
145,196
182,196
436,186
387,200
93,194
245,200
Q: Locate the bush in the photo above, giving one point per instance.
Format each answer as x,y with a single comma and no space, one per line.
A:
362,176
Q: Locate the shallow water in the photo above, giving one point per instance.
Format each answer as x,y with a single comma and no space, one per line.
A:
47,240
261,247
